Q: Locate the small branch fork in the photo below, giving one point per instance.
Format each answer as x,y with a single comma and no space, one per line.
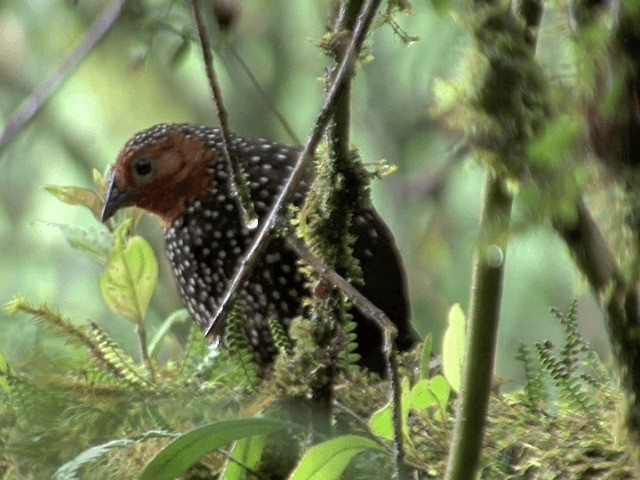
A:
49,85
239,183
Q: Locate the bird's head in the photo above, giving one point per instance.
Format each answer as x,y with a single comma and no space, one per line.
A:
159,169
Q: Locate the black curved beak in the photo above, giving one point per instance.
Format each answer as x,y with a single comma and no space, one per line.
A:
115,199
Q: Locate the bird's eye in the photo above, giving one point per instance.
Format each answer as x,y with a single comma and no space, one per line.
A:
143,167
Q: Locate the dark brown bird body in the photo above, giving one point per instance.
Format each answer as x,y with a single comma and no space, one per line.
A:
176,171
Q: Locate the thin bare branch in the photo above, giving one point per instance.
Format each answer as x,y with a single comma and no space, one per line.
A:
40,95
239,183
263,95
263,236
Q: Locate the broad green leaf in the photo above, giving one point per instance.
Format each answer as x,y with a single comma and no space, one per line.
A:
130,276
421,395
441,390
248,451
184,451
425,360
381,422
77,196
453,346
327,460
179,316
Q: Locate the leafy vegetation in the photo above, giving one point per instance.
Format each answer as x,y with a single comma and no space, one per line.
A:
116,415
93,408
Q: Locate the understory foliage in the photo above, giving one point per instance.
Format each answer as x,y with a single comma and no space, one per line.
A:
105,412
104,416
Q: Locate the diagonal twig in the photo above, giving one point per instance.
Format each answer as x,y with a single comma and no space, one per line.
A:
263,95
49,85
239,183
263,236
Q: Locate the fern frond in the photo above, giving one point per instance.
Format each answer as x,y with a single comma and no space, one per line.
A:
568,385
195,351
574,343
235,338
536,393
54,321
347,357
114,361
281,338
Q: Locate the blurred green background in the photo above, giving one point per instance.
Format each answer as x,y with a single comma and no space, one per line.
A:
133,80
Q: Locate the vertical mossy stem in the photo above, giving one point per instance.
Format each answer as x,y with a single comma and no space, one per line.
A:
335,163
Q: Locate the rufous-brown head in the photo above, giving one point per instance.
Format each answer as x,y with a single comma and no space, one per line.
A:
158,170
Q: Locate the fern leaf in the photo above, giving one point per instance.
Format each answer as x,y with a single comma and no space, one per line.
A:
116,362
238,345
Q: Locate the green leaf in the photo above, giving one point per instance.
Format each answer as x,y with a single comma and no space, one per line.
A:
181,52
441,6
327,460
95,242
421,395
98,181
440,388
425,360
549,148
381,422
179,316
247,451
431,392
4,370
453,346
77,196
184,451
130,276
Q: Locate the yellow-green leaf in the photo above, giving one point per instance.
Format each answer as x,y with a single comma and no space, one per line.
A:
327,460
441,390
425,359
130,276
176,457
98,181
453,346
381,422
4,371
248,452
421,395
77,196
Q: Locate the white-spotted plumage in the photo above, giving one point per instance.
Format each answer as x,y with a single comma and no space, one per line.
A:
207,242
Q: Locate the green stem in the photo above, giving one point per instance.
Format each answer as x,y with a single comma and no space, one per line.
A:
486,295
144,351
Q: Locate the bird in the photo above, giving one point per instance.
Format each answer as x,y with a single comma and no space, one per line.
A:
177,172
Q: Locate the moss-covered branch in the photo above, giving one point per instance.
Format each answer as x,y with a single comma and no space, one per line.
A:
510,101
